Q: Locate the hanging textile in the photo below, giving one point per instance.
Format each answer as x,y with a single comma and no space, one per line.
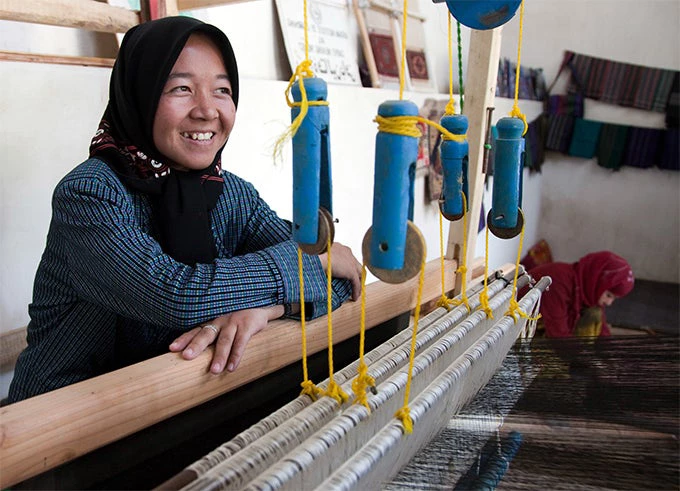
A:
611,146
585,138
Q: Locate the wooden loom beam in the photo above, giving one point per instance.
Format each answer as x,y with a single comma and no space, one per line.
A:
480,90
45,431
84,14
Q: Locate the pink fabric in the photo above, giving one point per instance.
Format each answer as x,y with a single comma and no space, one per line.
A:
580,285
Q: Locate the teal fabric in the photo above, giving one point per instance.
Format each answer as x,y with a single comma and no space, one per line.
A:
585,138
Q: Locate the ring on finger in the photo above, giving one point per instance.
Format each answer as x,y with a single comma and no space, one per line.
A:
213,328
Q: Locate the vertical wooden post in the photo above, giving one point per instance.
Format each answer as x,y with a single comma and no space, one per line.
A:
480,91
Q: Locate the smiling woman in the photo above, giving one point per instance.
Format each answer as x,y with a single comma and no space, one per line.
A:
152,245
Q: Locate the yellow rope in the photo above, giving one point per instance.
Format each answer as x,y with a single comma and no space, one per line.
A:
514,309
302,71
308,387
462,269
407,126
484,296
443,301
402,70
333,390
403,413
451,105
515,112
363,379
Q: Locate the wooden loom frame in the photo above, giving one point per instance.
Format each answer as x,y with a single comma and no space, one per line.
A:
43,432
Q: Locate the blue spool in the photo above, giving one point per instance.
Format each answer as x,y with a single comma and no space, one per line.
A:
312,188
395,160
454,157
505,217
483,14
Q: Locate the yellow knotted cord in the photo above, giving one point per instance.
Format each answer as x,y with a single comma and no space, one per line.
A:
333,390
514,309
308,387
403,413
515,112
363,379
407,126
451,105
484,296
443,301
302,71
462,269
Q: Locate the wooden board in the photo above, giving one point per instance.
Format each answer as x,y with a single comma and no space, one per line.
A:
48,430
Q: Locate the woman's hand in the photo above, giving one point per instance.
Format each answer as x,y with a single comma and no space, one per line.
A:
231,331
344,265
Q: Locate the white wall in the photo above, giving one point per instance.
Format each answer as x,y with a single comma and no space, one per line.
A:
586,208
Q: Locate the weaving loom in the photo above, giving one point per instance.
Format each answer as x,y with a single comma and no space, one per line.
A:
296,447
455,358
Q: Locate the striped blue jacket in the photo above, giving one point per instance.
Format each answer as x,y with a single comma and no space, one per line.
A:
106,295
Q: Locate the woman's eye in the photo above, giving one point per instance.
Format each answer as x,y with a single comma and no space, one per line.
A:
224,90
180,88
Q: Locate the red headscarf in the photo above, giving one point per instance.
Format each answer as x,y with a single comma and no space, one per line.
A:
602,271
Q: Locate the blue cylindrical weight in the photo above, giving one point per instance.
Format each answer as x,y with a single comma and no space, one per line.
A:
507,171
311,162
483,14
454,156
395,159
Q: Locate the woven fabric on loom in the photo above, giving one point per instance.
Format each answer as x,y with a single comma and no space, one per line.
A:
591,414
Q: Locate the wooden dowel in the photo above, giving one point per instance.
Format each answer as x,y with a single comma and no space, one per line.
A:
85,14
201,4
43,432
55,59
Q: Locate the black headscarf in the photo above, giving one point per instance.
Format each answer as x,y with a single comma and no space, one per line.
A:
181,199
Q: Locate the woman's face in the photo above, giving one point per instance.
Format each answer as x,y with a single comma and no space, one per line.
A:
195,112
606,299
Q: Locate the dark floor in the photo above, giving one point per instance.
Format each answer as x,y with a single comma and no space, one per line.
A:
651,305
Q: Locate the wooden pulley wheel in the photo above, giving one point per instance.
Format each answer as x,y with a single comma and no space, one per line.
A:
506,233
414,255
326,229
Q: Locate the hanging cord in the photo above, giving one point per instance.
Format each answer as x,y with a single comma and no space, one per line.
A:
514,309
461,89
333,390
444,301
515,112
308,387
404,413
484,296
363,380
451,105
462,269
303,70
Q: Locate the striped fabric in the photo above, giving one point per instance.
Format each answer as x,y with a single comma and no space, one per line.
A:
670,153
673,104
643,147
619,83
612,145
646,90
106,295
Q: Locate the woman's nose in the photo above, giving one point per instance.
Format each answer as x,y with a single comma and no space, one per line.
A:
205,107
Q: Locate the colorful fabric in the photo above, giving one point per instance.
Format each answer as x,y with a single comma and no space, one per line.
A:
585,138
537,255
107,295
535,147
612,144
673,103
670,152
646,90
643,147
579,286
182,200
